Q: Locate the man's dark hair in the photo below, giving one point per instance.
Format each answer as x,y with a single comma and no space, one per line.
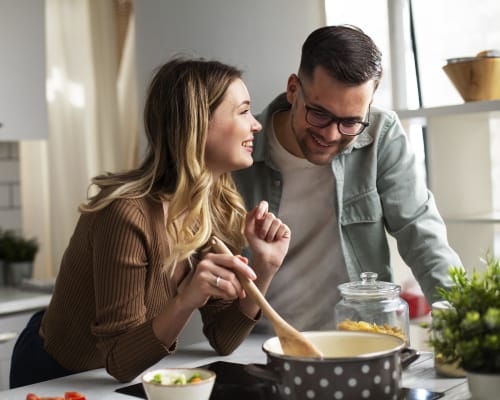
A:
345,52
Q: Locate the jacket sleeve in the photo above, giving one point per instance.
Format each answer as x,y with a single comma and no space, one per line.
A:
410,211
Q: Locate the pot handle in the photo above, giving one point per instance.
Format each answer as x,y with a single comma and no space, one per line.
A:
408,355
262,371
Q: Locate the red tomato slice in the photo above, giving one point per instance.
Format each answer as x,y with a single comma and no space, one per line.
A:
32,396
73,396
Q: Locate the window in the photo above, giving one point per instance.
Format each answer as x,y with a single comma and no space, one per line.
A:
371,17
443,29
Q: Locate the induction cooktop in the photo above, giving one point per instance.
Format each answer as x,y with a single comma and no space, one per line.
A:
234,382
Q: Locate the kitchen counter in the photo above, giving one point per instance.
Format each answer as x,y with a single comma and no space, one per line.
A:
97,384
13,300
16,308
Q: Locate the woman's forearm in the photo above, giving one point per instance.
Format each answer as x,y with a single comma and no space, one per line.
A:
168,325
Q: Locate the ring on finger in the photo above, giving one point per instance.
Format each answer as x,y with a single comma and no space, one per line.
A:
217,281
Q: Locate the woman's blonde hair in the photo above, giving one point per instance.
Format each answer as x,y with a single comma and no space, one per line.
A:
181,99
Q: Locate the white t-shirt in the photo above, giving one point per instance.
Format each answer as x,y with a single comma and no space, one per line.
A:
304,291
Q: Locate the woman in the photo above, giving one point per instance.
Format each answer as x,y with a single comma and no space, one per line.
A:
136,267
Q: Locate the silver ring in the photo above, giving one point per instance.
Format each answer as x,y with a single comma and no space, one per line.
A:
217,281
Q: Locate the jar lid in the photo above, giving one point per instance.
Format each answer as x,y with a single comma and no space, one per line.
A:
369,287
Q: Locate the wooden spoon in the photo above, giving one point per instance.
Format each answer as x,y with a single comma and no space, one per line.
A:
292,341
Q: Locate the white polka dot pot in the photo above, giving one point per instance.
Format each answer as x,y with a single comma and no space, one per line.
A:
356,365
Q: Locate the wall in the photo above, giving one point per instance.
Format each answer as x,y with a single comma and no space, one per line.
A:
262,37
10,206
23,110
22,70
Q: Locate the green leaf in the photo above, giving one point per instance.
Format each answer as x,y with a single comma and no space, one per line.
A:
469,332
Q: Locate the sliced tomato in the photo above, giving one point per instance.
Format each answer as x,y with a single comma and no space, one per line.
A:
73,396
32,396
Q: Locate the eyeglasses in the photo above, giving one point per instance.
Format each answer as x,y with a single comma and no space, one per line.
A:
322,119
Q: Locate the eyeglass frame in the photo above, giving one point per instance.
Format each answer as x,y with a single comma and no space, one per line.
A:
333,118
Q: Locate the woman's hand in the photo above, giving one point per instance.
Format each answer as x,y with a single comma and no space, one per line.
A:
268,238
215,276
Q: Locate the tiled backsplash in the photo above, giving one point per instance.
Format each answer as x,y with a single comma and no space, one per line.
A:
10,202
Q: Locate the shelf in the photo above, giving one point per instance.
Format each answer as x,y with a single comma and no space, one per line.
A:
491,218
461,141
491,106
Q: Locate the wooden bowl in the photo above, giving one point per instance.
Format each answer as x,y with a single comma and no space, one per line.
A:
475,78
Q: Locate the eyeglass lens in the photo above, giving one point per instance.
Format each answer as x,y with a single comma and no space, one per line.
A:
322,120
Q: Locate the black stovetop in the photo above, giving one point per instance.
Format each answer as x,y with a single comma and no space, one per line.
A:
232,382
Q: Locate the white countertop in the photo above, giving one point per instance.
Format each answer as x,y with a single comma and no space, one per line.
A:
13,300
98,385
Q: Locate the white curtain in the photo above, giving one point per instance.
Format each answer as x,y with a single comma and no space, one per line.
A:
93,121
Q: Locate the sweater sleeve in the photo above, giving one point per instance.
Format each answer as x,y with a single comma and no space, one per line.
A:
225,326
121,248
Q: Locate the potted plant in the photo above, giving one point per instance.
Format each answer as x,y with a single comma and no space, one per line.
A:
467,333
18,254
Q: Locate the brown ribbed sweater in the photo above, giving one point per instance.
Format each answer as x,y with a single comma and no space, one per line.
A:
111,284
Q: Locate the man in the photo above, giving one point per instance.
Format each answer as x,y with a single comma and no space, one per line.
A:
340,173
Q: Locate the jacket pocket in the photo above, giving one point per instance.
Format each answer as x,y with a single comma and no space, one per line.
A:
364,208
364,236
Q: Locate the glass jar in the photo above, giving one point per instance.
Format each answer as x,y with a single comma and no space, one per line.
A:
371,305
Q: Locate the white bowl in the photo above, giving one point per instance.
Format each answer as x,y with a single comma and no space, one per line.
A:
189,391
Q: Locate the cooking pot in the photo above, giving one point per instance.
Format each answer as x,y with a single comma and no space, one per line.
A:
356,365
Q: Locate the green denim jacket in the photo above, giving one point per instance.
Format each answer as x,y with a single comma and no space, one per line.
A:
379,189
